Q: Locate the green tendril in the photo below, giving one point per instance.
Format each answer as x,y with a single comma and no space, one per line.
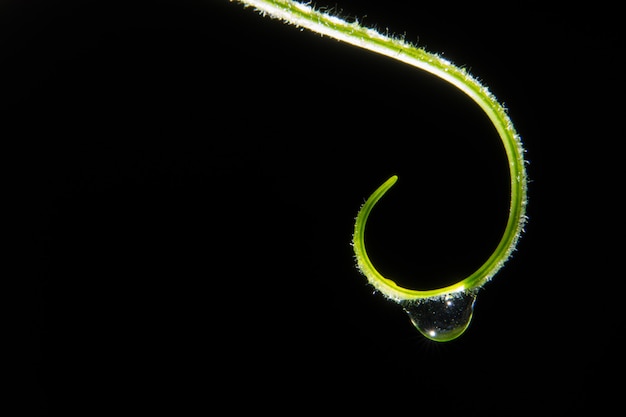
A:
323,23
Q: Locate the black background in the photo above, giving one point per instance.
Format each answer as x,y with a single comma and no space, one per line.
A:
189,172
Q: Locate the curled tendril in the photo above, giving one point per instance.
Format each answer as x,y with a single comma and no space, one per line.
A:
473,282
323,23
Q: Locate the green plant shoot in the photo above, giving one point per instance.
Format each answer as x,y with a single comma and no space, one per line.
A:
440,314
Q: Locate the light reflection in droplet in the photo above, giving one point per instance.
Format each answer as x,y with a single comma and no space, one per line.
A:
442,318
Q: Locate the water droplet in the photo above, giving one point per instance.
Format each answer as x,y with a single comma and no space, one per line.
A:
442,318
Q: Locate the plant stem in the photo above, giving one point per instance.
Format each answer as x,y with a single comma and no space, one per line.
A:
354,33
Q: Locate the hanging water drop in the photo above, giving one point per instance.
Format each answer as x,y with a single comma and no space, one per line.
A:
442,318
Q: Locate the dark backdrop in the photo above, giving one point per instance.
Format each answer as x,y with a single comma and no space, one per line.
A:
189,173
